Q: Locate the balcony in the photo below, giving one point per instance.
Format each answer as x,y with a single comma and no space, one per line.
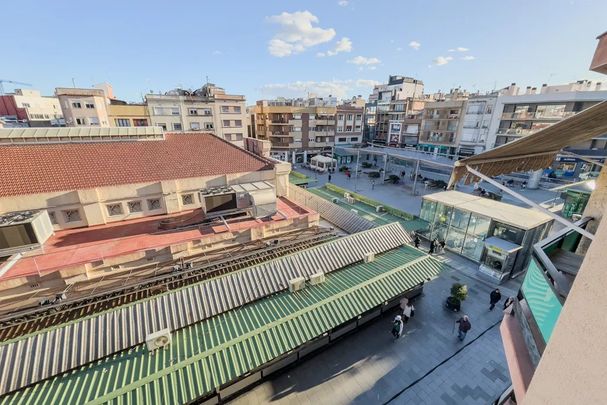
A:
538,115
515,131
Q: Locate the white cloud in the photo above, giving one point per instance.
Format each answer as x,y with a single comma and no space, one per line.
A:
343,45
442,60
217,52
468,57
415,45
363,60
343,3
459,49
297,33
338,88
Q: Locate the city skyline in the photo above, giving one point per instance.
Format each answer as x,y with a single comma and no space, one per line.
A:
290,49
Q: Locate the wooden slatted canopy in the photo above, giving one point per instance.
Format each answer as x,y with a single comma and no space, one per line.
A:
536,151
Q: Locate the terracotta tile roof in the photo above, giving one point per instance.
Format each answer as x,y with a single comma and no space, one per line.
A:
42,168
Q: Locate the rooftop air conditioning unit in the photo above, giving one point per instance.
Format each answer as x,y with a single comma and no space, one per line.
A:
317,278
158,339
379,208
346,195
297,284
369,257
335,200
350,200
354,211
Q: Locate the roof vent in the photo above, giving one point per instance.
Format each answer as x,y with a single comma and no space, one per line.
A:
317,278
297,284
158,339
369,257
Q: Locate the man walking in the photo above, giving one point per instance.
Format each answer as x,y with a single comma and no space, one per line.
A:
397,327
432,247
494,298
416,242
329,178
464,327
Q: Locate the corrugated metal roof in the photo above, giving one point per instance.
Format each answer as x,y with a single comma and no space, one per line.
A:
98,336
80,134
338,216
213,352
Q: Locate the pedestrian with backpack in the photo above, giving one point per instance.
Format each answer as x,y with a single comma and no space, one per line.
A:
397,327
464,327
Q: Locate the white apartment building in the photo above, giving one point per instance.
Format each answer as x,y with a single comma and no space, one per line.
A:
42,111
83,107
208,109
349,125
477,124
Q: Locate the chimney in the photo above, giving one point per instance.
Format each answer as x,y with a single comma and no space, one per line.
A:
544,88
528,90
533,90
598,86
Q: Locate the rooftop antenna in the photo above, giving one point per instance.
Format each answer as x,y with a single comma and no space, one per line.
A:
73,82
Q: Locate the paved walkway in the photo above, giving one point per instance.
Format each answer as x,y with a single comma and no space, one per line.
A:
368,367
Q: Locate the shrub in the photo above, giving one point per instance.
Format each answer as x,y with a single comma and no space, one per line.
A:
343,168
459,291
374,175
366,165
394,178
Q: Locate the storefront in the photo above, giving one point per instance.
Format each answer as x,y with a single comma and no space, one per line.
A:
476,227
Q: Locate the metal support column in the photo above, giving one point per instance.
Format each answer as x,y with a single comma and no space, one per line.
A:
415,176
383,177
356,171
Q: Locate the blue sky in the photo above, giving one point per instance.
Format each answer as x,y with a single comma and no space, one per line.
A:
270,48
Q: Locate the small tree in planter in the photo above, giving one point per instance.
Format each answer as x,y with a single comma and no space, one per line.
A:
459,292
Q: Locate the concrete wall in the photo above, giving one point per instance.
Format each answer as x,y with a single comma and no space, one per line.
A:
572,369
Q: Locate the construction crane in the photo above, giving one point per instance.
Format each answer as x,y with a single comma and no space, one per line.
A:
2,81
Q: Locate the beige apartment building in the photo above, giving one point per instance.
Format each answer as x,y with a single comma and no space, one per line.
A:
296,130
208,109
349,124
42,111
442,122
83,107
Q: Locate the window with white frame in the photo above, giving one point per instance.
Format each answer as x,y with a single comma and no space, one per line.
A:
176,126
237,109
225,109
134,206
80,121
76,104
187,199
359,116
162,125
122,122
26,105
193,111
175,111
195,126
340,129
350,116
207,111
93,121
342,139
71,215
340,117
226,123
208,125
238,123
89,105
354,139
114,209
153,204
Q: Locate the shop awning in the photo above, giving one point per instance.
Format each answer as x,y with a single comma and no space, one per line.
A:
536,151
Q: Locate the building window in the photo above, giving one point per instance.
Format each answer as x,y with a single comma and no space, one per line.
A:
71,215
53,217
350,116
354,139
359,117
187,199
90,105
208,125
176,127
76,104
340,117
340,129
226,123
80,121
237,109
225,109
175,111
195,126
342,139
193,111
93,121
26,105
162,125
140,122
122,122
114,209
206,111
134,206
153,204
238,123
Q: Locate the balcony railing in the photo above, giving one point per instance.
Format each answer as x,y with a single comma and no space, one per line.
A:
516,131
543,115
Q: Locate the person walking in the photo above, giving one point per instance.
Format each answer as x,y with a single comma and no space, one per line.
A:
329,178
372,184
464,327
432,247
416,242
408,311
397,327
494,298
348,174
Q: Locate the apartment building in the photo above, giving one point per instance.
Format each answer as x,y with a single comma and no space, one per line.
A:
296,129
442,122
122,114
477,120
521,113
208,109
83,107
30,107
349,125
397,104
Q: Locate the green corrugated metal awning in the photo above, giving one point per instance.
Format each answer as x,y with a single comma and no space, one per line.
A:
213,352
